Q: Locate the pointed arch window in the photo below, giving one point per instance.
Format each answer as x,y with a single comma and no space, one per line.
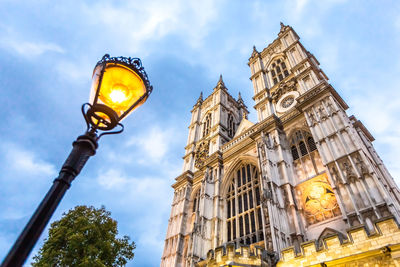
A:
207,125
305,155
278,71
298,144
231,126
243,207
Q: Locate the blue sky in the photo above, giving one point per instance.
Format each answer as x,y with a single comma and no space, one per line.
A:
48,51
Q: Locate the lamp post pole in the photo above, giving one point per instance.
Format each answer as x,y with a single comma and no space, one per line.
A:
115,94
83,148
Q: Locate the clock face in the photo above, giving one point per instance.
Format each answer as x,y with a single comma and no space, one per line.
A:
287,101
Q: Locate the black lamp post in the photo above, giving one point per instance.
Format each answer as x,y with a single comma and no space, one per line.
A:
119,86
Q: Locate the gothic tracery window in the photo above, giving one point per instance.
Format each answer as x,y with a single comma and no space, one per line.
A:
278,71
207,125
243,207
306,158
231,126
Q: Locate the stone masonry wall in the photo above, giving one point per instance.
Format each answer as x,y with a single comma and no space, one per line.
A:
381,248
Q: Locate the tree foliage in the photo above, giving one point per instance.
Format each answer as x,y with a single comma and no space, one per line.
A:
84,236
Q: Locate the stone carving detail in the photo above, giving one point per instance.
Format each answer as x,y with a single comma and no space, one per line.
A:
284,88
348,171
201,154
335,176
361,166
322,113
312,118
262,150
208,175
267,141
197,228
330,107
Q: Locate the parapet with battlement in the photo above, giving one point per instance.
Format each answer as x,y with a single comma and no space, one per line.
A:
359,248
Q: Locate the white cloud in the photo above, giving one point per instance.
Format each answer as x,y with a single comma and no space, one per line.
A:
29,48
17,42
136,24
24,161
145,202
79,71
153,145
299,6
112,179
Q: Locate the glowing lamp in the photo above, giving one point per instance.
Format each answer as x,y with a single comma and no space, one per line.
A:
119,85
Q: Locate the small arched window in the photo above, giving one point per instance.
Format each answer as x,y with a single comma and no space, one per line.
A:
207,125
278,71
231,126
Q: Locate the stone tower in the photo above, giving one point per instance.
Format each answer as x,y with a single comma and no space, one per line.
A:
305,171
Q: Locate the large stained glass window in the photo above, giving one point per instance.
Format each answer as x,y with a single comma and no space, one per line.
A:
243,207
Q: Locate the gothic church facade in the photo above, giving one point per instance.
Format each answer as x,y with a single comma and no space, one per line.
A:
258,194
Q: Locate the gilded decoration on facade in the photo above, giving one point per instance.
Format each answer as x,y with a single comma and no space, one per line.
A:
201,154
318,199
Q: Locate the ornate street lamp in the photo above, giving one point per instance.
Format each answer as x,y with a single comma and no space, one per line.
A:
119,86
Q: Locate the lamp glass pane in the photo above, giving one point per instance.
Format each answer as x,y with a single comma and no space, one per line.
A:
120,88
95,82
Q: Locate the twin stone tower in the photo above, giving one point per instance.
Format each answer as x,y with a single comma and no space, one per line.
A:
304,175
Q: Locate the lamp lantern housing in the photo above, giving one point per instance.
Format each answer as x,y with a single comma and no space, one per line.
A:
119,85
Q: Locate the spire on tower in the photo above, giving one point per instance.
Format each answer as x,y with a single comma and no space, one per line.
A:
241,102
283,27
200,97
220,84
199,100
255,52
240,97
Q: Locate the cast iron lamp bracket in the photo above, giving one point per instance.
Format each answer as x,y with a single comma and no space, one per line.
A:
95,122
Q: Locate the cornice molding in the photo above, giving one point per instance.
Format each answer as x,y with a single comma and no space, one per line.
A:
184,178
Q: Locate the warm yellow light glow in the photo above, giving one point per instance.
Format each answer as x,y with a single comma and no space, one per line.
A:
120,88
318,199
118,93
316,191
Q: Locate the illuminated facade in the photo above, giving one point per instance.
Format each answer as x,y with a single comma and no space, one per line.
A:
305,173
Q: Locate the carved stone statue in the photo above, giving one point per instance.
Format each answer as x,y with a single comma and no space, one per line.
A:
335,176
348,171
330,107
361,165
322,112
312,118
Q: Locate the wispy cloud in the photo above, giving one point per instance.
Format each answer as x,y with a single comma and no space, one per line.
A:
25,161
29,49
153,145
153,21
145,196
